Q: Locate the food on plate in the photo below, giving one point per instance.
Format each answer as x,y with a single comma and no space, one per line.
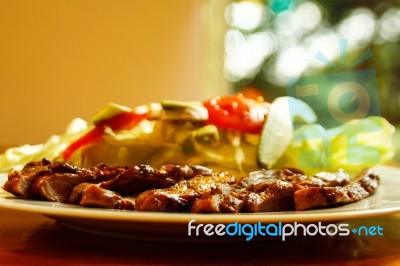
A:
227,154
54,181
187,188
231,133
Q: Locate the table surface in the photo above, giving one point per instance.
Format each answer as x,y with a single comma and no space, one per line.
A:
29,239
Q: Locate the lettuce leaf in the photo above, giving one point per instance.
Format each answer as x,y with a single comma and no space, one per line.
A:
229,150
17,157
353,146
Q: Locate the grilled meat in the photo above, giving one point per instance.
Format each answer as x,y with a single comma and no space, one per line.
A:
92,195
316,197
54,181
188,188
265,191
19,182
180,197
140,178
117,193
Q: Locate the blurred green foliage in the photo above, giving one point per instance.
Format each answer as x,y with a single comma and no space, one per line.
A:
380,33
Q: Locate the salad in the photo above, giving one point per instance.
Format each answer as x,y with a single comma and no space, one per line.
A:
233,133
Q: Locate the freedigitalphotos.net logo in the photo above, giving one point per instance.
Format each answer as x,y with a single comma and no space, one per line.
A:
338,98
280,230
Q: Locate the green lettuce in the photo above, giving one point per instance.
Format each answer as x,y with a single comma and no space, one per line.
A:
17,157
352,146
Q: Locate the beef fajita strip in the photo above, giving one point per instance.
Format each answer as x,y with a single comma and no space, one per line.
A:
92,195
54,181
317,197
264,191
180,197
187,188
117,193
140,178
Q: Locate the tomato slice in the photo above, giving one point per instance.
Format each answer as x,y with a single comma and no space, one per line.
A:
125,120
237,112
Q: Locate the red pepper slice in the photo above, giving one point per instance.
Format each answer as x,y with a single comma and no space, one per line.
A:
125,120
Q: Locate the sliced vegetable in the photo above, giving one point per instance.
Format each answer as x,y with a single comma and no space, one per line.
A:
237,112
277,133
177,110
124,120
226,151
111,110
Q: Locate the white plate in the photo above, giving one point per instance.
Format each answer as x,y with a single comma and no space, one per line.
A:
174,226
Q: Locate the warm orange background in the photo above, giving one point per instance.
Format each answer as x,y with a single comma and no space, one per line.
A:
68,58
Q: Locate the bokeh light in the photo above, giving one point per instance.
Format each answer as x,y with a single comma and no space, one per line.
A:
389,25
271,42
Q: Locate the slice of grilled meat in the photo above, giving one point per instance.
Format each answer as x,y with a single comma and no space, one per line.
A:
19,182
117,193
265,191
180,197
317,197
54,181
92,195
140,178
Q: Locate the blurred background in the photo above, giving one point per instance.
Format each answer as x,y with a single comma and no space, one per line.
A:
269,42
65,59
272,41
69,58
